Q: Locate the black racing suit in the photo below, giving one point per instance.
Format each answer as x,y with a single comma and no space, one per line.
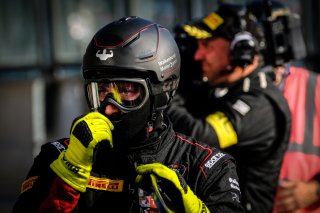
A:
210,173
257,115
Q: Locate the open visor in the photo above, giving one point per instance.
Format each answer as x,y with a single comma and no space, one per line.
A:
125,94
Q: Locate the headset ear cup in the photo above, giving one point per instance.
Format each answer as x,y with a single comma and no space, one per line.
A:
242,49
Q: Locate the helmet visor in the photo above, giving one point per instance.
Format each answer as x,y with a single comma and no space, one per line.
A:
126,94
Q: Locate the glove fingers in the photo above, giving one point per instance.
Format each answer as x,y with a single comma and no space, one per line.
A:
101,135
163,172
139,179
100,120
100,127
157,169
169,186
98,116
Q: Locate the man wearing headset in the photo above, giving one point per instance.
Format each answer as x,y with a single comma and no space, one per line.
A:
234,105
124,156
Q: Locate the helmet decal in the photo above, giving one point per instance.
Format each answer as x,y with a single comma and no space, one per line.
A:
104,55
168,63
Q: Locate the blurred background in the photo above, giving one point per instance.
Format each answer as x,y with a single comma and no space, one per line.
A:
41,47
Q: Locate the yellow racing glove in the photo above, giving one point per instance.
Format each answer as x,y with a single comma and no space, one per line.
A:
157,171
74,165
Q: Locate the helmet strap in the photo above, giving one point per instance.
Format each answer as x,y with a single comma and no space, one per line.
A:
154,125
150,123
160,96
159,103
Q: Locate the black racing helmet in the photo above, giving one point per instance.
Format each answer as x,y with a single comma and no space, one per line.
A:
133,50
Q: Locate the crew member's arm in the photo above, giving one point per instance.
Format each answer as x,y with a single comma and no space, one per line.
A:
74,165
36,186
214,129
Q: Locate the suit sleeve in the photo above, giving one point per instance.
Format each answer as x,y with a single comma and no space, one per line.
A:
185,122
220,188
62,198
42,188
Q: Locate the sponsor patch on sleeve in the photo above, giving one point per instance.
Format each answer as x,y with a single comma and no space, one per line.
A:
235,185
59,146
105,184
214,159
28,184
241,107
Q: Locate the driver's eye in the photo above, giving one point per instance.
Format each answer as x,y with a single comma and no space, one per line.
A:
129,91
127,88
124,91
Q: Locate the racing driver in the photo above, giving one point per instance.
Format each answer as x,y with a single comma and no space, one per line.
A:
124,156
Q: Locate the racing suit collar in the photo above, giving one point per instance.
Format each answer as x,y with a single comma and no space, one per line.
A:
220,92
147,151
